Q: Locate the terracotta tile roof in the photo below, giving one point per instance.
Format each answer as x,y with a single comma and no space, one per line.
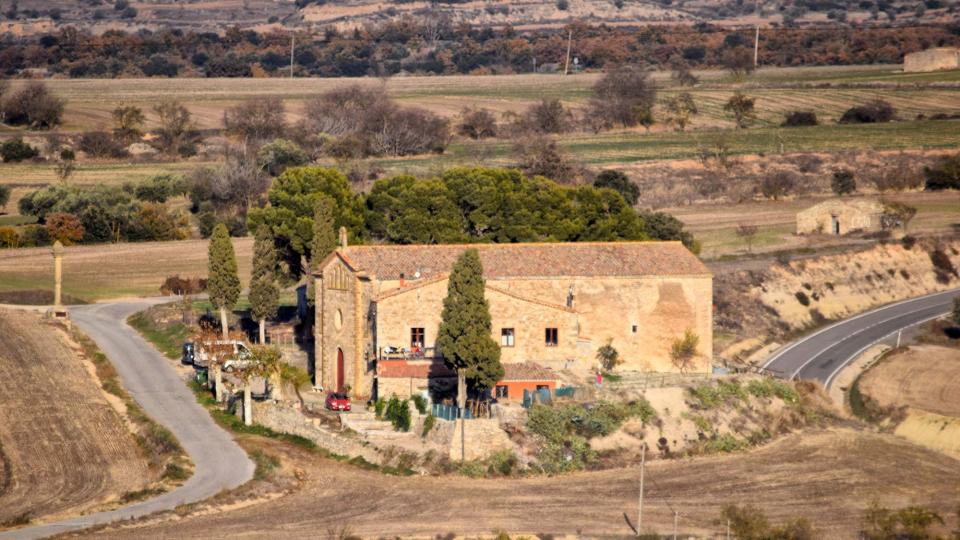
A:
416,284
527,371
572,259
417,370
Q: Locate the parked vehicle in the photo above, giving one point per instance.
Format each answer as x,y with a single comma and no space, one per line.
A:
188,354
338,402
236,353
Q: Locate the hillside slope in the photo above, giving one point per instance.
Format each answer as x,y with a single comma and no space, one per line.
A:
65,447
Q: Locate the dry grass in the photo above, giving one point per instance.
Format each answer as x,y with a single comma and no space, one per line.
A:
114,270
776,89
922,377
796,476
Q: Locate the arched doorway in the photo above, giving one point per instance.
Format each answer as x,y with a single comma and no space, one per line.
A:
339,370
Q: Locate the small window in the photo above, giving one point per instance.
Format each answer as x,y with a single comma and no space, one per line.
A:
502,391
416,338
506,337
634,329
551,337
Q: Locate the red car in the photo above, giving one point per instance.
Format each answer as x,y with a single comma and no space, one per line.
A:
338,402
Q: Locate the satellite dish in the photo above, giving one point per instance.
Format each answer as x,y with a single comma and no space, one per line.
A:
416,275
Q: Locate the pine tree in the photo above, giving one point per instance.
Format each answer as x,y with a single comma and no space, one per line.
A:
324,240
223,283
264,294
465,340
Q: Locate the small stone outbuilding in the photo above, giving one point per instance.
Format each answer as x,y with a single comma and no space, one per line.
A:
934,59
840,216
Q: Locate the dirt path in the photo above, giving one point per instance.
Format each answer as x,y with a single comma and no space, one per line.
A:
828,476
923,377
65,447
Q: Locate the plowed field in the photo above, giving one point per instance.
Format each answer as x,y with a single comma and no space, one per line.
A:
65,448
923,377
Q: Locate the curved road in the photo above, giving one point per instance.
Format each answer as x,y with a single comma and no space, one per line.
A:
823,354
156,386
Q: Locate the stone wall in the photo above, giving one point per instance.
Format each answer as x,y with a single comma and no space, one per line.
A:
640,316
484,437
932,59
289,420
851,216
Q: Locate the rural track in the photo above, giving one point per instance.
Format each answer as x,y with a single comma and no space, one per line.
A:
821,355
219,462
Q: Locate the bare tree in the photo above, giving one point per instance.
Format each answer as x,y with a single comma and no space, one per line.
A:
541,155
175,132
741,108
620,95
680,110
256,120
747,233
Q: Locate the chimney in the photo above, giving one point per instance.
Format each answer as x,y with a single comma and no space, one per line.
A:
343,237
403,280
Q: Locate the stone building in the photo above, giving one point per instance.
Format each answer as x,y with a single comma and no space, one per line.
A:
552,304
840,216
933,59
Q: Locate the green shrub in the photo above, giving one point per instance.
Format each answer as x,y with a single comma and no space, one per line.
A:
420,403
725,443
379,407
708,396
428,423
571,454
16,150
802,298
398,413
502,463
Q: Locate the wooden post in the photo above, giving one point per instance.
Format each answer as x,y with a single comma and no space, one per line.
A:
293,39
566,67
756,47
643,463
57,273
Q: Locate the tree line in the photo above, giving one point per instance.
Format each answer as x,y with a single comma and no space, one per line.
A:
439,46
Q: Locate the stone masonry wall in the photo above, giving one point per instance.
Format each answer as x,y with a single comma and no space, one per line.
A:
641,316
289,420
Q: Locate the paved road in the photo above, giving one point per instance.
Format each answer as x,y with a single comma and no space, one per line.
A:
156,386
823,354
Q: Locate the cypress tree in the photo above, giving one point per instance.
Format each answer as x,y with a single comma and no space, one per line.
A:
465,340
324,236
324,240
264,294
223,283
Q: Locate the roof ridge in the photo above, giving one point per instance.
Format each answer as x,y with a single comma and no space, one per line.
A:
512,244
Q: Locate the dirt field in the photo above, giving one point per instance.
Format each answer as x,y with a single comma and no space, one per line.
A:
65,447
800,475
922,377
114,270
777,90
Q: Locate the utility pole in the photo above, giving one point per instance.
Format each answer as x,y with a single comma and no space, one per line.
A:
728,529
756,47
293,39
566,67
676,519
643,463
